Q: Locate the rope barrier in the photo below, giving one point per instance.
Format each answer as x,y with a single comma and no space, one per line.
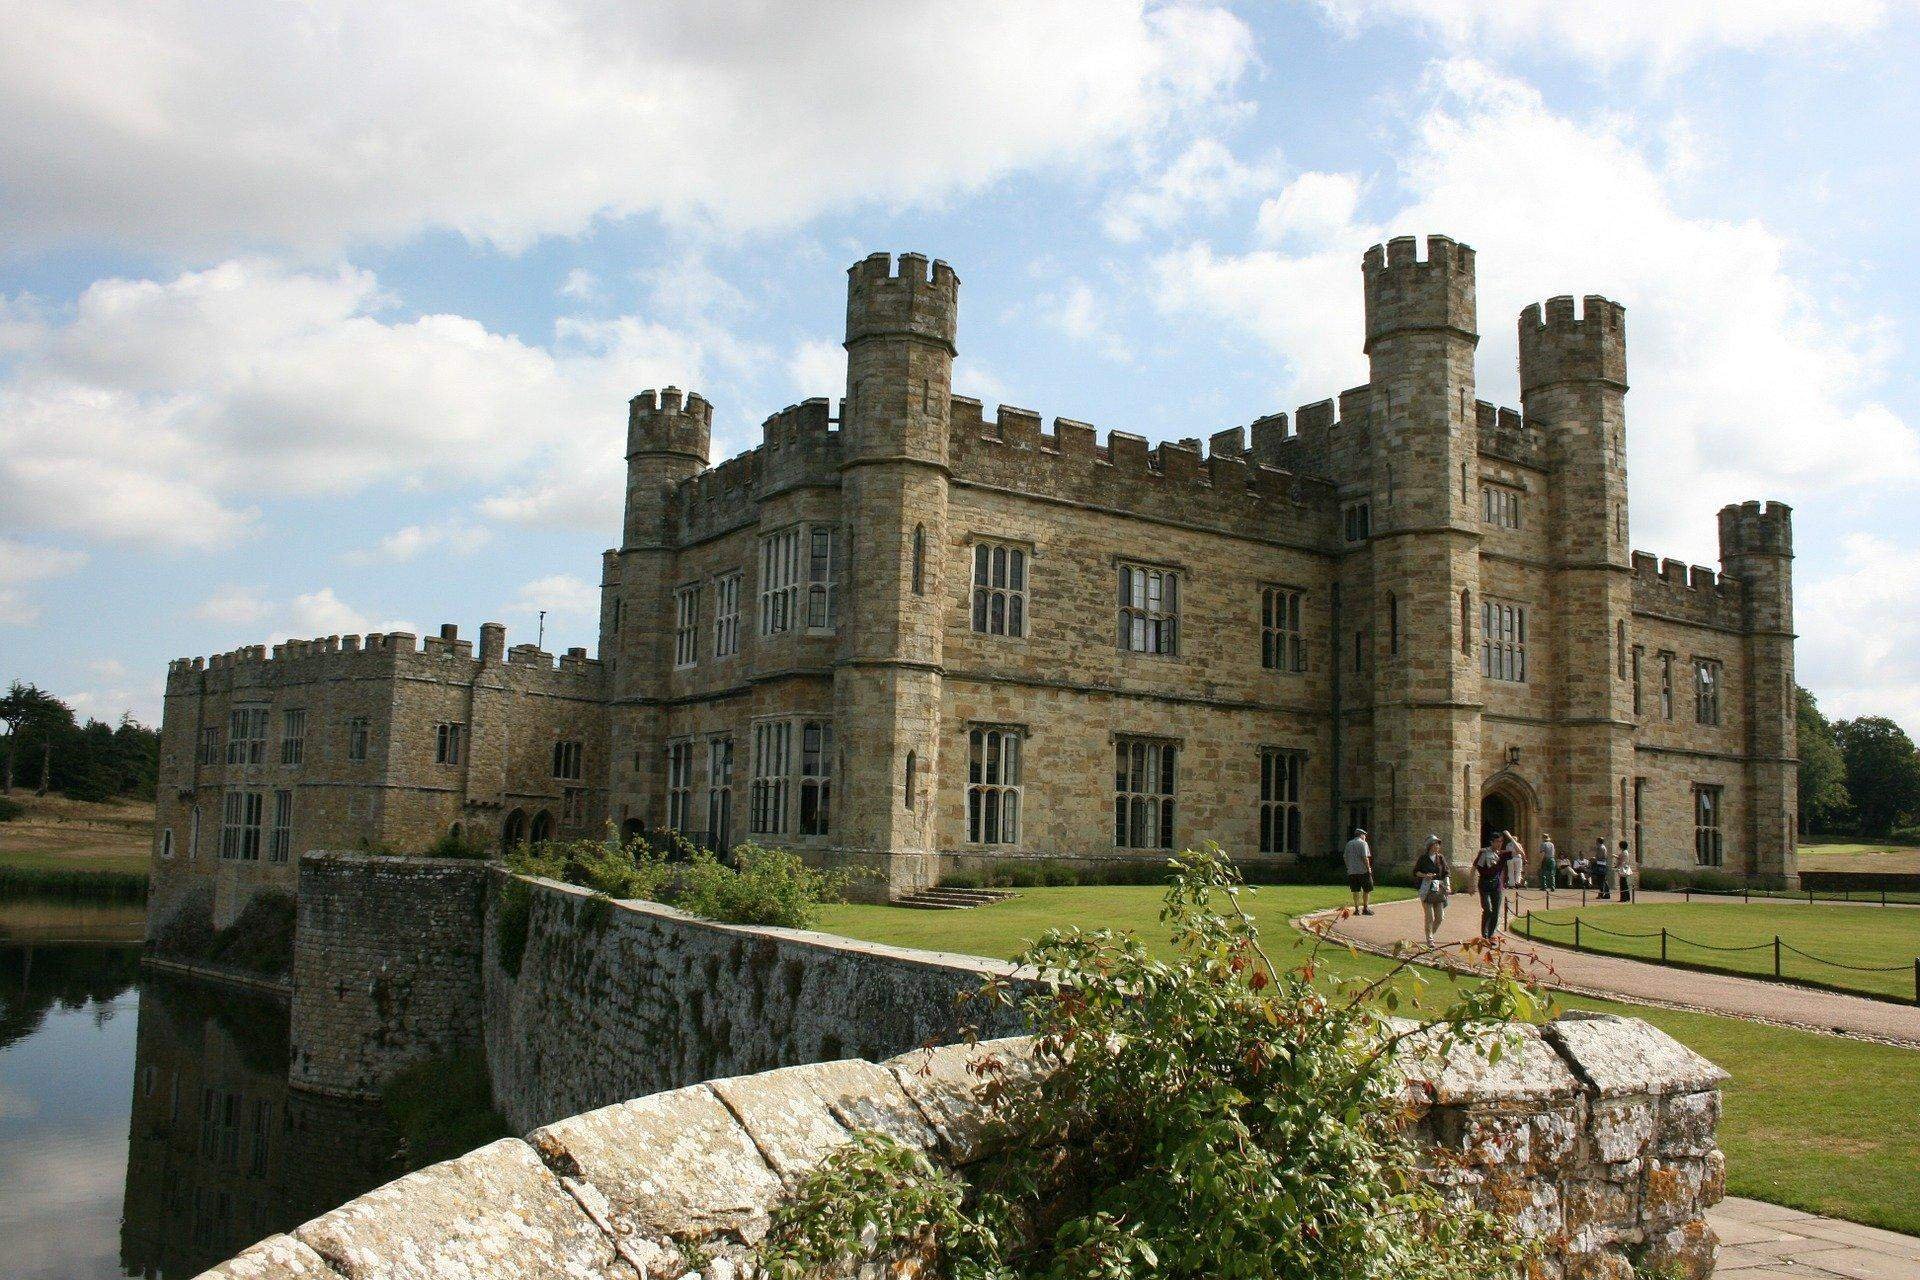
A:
1777,946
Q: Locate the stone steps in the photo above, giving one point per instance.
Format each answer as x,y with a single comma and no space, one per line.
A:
943,899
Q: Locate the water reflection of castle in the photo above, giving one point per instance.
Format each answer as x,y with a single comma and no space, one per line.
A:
220,1151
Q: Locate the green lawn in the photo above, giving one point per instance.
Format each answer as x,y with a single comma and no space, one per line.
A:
1868,936
1818,1123
1852,855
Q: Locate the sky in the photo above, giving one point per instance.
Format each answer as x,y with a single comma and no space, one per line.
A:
322,318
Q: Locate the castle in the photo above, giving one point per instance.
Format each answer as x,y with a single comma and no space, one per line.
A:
914,638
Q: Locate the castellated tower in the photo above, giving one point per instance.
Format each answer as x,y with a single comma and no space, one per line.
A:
1756,547
894,474
1573,386
1420,340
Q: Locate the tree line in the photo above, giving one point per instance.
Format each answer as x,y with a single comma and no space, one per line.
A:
46,748
1857,777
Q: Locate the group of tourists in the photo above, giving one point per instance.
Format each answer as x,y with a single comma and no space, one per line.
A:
1500,864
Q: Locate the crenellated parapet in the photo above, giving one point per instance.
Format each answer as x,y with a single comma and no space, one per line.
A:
1506,434
1686,593
1756,529
1221,487
668,422
378,653
1559,345
910,300
1408,294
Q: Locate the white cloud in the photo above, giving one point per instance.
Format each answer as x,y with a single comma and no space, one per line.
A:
1662,33
449,537
1313,210
562,595
1857,629
199,125
23,564
580,284
164,411
246,612
1732,356
818,368
1205,176
1082,315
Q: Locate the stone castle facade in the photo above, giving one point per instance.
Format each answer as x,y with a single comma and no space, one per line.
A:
912,637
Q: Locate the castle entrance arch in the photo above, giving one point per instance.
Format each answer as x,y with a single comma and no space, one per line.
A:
514,830
1509,804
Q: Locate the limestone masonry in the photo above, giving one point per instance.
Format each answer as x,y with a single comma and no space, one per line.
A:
903,635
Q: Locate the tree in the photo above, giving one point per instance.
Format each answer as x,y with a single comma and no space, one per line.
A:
1883,772
1823,770
31,712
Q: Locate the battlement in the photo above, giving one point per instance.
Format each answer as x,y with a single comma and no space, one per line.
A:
1505,433
915,299
1756,529
1407,293
1692,593
1219,483
665,422
1556,345
797,424
326,656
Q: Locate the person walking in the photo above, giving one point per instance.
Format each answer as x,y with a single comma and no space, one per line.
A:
1434,880
1623,869
1516,855
1360,871
1602,869
1490,879
1549,865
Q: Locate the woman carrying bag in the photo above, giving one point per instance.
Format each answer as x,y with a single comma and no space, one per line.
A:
1434,881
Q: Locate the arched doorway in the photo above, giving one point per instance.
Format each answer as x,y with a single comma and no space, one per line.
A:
1509,804
514,830
542,826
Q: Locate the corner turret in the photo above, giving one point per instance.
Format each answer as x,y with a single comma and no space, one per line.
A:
1558,346
1405,294
1755,529
910,302
667,424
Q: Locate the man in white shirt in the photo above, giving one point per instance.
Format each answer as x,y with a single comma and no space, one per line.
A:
1360,871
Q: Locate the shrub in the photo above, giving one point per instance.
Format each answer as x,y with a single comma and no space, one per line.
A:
764,886
1212,1115
1058,874
260,939
630,870
963,880
188,934
10,808
457,844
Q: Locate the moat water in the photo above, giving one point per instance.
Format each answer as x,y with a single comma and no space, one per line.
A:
146,1126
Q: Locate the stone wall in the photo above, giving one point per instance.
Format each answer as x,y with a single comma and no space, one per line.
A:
1597,1136
618,999
386,967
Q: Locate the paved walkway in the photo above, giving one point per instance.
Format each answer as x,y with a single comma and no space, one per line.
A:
1586,973
1766,1242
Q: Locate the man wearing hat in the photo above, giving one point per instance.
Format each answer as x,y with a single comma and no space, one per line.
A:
1360,871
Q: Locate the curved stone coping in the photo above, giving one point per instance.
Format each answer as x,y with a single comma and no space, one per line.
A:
1596,1131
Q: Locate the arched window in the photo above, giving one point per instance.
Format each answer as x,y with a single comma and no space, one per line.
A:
1466,623
912,768
919,559
514,830
542,826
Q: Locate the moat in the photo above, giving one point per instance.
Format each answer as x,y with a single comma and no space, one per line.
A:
146,1126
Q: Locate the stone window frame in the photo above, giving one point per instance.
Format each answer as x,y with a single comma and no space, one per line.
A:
1145,810
1359,815
210,745
1666,685
1013,555
240,817
1709,839
1283,647
770,782
1142,625
1638,659
569,759
813,776
1708,682
166,844
686,626
996,754
726,613
780,573
720,765
679,783
293,735
280,835
359,738
822,575
247,735
1283,772
1500,505
448,743
1503,640
1356,521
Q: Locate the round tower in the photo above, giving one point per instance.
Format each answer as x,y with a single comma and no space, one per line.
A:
667,440
901,323
1756,547
1422,428
1573,387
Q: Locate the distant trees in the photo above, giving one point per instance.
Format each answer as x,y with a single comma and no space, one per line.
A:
93,761
1823,769
1883,773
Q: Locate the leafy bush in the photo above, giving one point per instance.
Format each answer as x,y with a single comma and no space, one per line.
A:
619,870
1212,1115
188,934
260,939
764,886
458,844
10,809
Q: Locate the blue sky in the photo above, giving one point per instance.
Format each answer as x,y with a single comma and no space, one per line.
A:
322,318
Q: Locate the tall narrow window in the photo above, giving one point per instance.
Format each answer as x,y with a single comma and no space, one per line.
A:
1503,641
719,792
779,581
1620,644
446,743
1143,779
820,576
247,735
1466,623
1149,609
816,777
919,559
911,782
1283,646
240,826
1280,773
1706,691
281,841
993,784
1359,649
1707,848
772,751
1393,623
1639,654
210,745
999,589
686,626
166,843
1639,817
359,730
1356,522
616,613
1500,506
680,785
293,736
566,760
1360,817
726,615
1666,686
